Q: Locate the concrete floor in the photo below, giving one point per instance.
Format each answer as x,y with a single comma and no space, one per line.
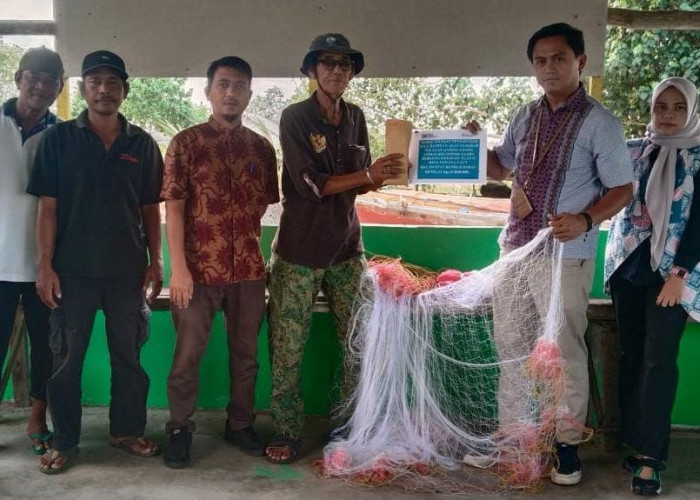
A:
219,471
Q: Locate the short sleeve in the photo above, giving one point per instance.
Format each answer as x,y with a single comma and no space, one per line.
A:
364,134
506,150
612,158
176,170
298,157
43,179
688,254
152,175
272,193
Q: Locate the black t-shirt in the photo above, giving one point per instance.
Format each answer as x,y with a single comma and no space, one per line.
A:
99,196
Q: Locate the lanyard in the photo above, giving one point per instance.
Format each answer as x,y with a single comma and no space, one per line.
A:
535,160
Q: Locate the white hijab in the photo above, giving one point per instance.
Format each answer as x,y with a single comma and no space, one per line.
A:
662,179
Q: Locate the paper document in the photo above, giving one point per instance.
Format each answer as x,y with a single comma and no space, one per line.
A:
447,156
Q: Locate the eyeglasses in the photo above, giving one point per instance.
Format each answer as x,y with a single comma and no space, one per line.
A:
330,64
35,80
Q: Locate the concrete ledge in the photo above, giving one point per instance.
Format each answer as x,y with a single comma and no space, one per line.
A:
598,309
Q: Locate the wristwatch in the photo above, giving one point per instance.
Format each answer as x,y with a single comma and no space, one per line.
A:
589,221
679,272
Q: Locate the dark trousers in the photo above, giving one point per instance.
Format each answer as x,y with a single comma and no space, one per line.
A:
126,322
36,315
243,305
650,336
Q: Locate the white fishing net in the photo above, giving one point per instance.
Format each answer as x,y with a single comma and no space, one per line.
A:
459,375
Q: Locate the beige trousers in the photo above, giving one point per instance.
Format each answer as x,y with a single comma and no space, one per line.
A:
522,297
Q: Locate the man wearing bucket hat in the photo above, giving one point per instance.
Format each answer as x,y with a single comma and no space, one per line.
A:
318,246
23,121
98,180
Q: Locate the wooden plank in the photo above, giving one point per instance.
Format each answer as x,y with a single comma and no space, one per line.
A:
20,372
654,19
598,309
162,302
595,87
18,355
610,371
27,28
595,408
63,101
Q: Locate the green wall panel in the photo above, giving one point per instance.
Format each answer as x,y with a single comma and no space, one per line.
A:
429,246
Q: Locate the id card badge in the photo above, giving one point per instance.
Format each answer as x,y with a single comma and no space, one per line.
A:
521,203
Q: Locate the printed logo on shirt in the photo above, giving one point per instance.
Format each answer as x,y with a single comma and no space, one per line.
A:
318,142
129,158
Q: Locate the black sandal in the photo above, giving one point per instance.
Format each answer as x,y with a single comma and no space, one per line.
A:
647,487
283,441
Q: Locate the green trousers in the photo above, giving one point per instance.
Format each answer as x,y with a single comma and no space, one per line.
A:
293,290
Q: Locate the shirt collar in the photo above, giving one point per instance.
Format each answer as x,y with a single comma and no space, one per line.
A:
576,101
219,128
319,114
82,122
9,108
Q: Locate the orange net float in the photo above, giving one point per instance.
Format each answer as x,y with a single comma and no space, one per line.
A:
545,361
399,279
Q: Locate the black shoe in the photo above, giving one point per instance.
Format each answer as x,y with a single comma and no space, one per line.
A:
246,440
630,463
568,469
177,452
647,487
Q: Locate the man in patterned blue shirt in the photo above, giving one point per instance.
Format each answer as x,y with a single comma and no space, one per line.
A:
571,172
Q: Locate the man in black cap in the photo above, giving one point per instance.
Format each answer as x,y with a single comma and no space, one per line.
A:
98,180
23,121
327,163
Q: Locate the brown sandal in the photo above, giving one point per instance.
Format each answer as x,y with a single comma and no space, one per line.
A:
55,461
283,442
133,445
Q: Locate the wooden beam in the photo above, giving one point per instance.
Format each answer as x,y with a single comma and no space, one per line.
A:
27,28
63,101
17,363
595,87
654,19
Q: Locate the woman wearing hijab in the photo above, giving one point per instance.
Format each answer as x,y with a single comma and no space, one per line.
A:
652,272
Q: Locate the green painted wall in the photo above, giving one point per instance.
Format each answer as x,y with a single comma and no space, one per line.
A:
432,247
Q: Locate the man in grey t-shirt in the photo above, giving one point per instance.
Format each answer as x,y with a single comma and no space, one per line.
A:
571,172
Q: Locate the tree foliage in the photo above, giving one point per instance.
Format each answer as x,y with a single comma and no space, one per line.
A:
9,60
437,103
636,60
156,104
268,105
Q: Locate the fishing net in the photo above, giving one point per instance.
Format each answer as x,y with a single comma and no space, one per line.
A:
460,375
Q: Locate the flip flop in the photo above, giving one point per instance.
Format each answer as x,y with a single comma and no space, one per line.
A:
40,447
282,441
67,457
127,444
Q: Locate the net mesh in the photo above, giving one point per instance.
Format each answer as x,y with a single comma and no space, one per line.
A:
459,375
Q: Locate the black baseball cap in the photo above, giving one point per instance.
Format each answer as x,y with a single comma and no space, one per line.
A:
43,60
104,59
332,42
